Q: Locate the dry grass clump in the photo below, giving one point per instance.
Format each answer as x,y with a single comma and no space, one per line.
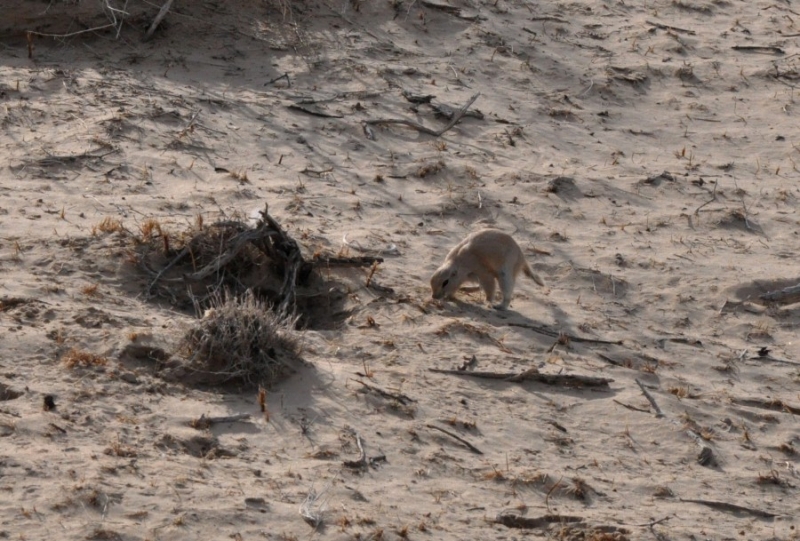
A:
78,357
241,339
108,225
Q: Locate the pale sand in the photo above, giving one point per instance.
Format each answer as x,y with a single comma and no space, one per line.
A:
592,91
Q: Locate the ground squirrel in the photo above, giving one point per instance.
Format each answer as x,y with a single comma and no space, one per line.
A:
485,256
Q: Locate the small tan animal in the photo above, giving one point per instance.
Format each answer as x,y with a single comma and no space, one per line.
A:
486,256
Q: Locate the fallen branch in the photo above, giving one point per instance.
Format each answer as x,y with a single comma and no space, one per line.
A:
361,463
237,243
205,422
759,49
456,437
161,14
72,158
516,521
224,245
316,172
559,380
775,404
732,507
419,127
557,334
314,112
611,360
713,198
183,253
650,398
403,399
787,295
286,250
417,98
361,261
276,79
549,18
774,360
673,28
634,408
448,112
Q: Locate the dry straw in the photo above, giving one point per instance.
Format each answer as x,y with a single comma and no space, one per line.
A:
240,339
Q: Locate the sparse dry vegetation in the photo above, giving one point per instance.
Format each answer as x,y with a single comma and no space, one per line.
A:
648,391
241,339
80,358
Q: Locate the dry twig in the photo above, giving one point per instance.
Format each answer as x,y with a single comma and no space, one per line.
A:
456,437
161,14
559,380
403,399
650,398
558,334
423,129
732,507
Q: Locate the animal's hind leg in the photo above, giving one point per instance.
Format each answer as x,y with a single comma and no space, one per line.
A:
486,282
506,279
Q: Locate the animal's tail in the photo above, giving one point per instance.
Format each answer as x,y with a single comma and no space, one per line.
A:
536,278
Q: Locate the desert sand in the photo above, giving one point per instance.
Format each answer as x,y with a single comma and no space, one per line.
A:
643,155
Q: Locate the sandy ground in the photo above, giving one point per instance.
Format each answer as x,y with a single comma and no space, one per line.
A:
643,154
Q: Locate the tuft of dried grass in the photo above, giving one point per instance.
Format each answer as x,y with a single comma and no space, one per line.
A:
78,357
108,225
241,339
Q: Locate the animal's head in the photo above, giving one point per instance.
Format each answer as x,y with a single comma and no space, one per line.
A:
444,282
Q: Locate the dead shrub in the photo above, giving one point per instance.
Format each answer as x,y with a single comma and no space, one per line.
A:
78,357
240,339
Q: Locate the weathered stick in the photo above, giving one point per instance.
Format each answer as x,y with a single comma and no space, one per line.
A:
556,334
547,18
361,463
423,129
560,380
775,404
238,243
611,360
732,507
634,408
444,7
517,521
713,198
403,399
774,360
361,261
650,398
205,422
161,14
786,295
456,437
673,28
71,158
163,271
276,79
313,112
759,49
